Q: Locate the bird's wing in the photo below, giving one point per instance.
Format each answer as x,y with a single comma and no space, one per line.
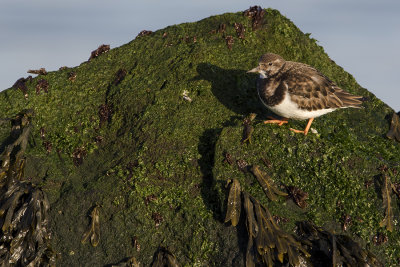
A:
311,90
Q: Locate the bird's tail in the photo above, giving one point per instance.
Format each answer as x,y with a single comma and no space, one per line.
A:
349,100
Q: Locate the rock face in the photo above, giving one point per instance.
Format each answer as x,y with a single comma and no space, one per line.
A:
150,132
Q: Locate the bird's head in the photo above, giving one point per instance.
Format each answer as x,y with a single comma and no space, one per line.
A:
269,65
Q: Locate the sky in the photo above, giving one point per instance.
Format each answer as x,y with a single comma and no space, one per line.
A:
362,36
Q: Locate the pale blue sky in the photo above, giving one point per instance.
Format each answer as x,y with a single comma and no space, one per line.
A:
362,36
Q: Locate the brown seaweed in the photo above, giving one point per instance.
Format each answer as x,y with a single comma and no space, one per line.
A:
221,28
105,112
299,196
19,134
120,75
279,219
386,198
267,243
234,204
164,257
252,230
42,85
379,239
157,218
394,132
41,71
78,155
228,158
98,139
270,189
330,249
136,244
72,76
242,165
100,50
346,222
396,189
256,14
248,128
93,233
266,162
24,221
21,85
239,30
150,198
229,41
48,146
144,33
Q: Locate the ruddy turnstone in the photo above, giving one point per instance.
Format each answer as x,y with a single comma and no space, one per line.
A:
297,91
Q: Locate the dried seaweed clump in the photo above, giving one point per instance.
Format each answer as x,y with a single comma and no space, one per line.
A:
100,50
329,249
267,243
256,14
93,233
164,257
394,132
24,234
267,184
41,71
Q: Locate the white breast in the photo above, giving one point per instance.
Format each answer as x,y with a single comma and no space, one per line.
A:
289,109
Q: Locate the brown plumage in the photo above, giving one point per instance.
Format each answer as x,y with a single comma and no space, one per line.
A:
299,91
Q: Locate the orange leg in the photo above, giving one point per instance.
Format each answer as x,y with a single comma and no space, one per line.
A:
276,121
305,132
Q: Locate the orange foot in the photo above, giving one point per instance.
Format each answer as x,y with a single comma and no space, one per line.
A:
276,121
305,131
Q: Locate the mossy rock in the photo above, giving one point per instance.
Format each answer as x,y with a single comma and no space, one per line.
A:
155,166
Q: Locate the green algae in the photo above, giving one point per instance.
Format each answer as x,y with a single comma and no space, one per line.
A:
156,143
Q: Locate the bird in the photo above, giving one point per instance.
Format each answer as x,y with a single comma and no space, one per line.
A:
295,90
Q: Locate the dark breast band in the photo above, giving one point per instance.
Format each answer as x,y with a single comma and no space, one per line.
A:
277,96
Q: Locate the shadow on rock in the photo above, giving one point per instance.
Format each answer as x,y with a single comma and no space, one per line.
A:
235,89
207,150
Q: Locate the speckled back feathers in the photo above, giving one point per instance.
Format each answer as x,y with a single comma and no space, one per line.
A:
307,87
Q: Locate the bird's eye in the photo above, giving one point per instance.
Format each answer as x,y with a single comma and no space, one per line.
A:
270,63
